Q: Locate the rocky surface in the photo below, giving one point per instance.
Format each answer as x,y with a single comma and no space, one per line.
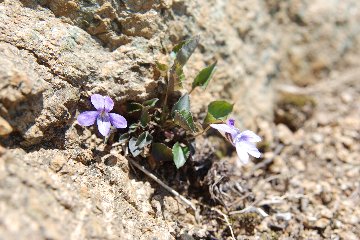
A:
56,179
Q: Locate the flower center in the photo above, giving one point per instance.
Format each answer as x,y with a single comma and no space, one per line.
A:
229,137
103,113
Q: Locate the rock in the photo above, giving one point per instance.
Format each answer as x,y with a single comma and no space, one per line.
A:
57,162
322,223
5,127
317,137
44,204
284,134
348,235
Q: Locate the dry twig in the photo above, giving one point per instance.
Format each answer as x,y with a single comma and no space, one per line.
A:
251,209
226,219
153,177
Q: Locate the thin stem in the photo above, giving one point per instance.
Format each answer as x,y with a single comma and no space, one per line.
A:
192,89
153,177
164,108
202,132
206,129
226,219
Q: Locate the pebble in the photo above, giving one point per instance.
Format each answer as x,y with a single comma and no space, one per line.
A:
326,213
348,236
58,162
346,97
284,134
5,128
322,223
283,216
299,165
278,165
317,137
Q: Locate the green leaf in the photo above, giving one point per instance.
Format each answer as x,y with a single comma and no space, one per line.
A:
186,50
150,102
180,154
161,66
145,117
178,77
183,52
177,48
124,137
133,107
135,151
182,104
144,139
218,110
161,152
136,145
204,76
185,120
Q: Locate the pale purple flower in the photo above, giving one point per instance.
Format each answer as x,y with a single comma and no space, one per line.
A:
102,115
243,141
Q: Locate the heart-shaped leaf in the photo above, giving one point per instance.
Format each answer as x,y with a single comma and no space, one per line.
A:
185,120
136,145
145,117
161,152
144,139
180,155
204,76
182,104
218,110
135,151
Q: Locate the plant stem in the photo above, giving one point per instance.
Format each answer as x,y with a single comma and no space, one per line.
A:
153,177
202,132
206,129
164,108
226,219
192,89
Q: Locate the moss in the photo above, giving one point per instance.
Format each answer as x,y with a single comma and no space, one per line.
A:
294,109
297,100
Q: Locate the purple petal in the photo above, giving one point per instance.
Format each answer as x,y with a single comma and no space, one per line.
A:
117,120
104,125
109,104
231,122
87,118
224,128
241,151
98,101
249,136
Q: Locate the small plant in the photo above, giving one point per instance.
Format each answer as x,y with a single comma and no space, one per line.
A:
165,128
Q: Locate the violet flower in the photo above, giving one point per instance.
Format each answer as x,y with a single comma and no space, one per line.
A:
102,115
243,141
